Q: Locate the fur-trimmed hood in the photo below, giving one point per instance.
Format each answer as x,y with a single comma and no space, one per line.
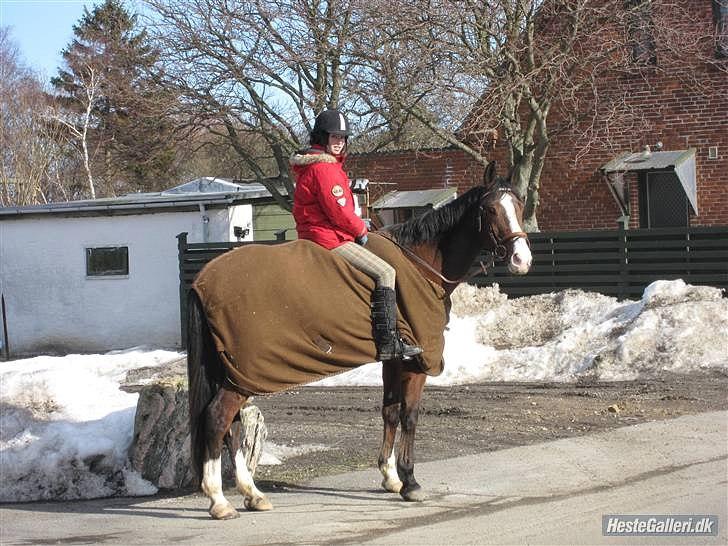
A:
310,156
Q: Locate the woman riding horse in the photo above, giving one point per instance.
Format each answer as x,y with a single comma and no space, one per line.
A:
231,355
323,207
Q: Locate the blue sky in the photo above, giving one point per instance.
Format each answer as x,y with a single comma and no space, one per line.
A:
42,28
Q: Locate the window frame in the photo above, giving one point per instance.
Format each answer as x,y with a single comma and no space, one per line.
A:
110,272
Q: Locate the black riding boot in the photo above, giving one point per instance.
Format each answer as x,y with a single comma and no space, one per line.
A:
384,316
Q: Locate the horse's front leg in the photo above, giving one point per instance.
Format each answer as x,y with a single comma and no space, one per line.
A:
391,379
413,383
253,499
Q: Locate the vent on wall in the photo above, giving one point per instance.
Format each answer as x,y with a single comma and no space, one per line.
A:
713,152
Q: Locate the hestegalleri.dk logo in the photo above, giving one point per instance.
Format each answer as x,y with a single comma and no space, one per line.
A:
659,525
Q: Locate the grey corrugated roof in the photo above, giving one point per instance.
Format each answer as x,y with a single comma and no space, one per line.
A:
412,199
641,161
202,191
681,161
209,184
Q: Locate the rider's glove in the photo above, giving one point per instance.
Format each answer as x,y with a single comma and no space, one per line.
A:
362,239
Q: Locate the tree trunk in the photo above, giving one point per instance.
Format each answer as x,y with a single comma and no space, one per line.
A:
160,450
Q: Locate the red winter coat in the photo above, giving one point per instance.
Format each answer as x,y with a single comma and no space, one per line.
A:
323,205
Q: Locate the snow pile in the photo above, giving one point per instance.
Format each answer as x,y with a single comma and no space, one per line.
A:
65,426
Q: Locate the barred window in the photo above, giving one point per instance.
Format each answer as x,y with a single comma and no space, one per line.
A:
107,261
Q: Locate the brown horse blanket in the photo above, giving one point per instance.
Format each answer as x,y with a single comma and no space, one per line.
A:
289,314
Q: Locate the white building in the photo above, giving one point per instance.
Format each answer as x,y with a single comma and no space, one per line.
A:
90,276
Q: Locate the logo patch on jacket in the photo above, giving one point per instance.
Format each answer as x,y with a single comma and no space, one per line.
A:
337,190
341,201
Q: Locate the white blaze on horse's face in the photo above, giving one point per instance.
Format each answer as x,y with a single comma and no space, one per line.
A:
521,258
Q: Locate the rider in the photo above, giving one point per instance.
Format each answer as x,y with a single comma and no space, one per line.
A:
323,207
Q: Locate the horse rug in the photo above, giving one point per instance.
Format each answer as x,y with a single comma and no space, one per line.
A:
289,314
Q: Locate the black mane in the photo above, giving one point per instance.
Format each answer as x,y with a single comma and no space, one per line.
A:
436,222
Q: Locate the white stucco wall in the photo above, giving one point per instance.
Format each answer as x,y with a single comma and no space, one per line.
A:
53,307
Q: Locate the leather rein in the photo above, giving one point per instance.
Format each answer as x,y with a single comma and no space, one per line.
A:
498,252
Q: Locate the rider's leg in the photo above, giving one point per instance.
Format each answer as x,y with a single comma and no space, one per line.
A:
384,302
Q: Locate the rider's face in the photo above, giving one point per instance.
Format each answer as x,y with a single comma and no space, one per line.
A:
336,144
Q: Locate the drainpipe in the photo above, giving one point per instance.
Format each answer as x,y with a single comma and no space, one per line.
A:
205,219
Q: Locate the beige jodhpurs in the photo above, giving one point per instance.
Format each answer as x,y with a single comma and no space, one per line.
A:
383,274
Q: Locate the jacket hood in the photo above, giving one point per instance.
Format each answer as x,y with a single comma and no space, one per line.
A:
310,156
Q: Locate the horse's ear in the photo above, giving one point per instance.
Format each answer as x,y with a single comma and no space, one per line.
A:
489,174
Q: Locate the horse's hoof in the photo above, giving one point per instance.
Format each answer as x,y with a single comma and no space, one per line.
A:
257,504
393,486
223,511
413,494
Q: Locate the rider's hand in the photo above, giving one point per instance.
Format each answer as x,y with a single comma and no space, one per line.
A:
362,240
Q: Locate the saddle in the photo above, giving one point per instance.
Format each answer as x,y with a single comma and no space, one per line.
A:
290,314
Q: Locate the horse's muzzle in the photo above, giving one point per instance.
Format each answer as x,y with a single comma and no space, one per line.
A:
521,259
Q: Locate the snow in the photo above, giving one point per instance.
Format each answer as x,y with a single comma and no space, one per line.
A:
65,426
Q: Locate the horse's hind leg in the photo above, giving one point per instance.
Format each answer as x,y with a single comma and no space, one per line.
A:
413,383
391,372
253,499
219,415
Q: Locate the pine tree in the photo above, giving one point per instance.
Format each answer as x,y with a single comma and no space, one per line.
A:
108,85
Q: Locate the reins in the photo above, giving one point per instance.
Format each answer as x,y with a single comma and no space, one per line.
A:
434,271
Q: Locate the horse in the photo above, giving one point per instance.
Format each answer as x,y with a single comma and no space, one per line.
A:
443,245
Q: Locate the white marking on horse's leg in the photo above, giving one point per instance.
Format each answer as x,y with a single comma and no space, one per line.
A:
254,499
220,508
391,480
521,257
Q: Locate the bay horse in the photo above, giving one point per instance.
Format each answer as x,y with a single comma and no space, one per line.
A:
443,244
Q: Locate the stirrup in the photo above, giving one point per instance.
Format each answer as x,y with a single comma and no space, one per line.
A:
408,351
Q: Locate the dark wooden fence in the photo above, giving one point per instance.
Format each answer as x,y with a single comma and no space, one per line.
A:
618,263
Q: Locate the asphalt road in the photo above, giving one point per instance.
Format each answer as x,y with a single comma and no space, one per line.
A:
550,493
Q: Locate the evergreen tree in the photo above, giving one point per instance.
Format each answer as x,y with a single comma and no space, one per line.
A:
108,84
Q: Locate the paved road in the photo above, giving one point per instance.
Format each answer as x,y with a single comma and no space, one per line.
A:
550,493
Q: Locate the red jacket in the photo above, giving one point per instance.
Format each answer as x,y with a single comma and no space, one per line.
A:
323,205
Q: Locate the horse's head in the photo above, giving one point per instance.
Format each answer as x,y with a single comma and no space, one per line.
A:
500,220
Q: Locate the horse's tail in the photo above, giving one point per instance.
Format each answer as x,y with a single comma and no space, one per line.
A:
204,377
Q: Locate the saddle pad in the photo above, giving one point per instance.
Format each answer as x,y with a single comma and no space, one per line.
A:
289,314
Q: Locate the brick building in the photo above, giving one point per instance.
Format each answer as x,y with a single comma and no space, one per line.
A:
575,193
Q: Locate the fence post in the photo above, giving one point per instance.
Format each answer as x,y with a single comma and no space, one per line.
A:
181,251
6,341
623,260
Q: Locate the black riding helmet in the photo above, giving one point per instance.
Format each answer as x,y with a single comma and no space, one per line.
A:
329,122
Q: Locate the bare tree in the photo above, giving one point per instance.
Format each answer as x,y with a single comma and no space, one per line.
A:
257,72
78,125
31,161
525,70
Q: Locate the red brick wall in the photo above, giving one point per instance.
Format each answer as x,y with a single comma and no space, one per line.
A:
680,120
573,194
388,171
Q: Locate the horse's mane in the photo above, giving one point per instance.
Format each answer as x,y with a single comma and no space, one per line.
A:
434,223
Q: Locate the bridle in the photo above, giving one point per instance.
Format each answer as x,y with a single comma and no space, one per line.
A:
499,250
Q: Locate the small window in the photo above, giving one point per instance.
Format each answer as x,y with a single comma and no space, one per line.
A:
640,28
107,261
720,18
